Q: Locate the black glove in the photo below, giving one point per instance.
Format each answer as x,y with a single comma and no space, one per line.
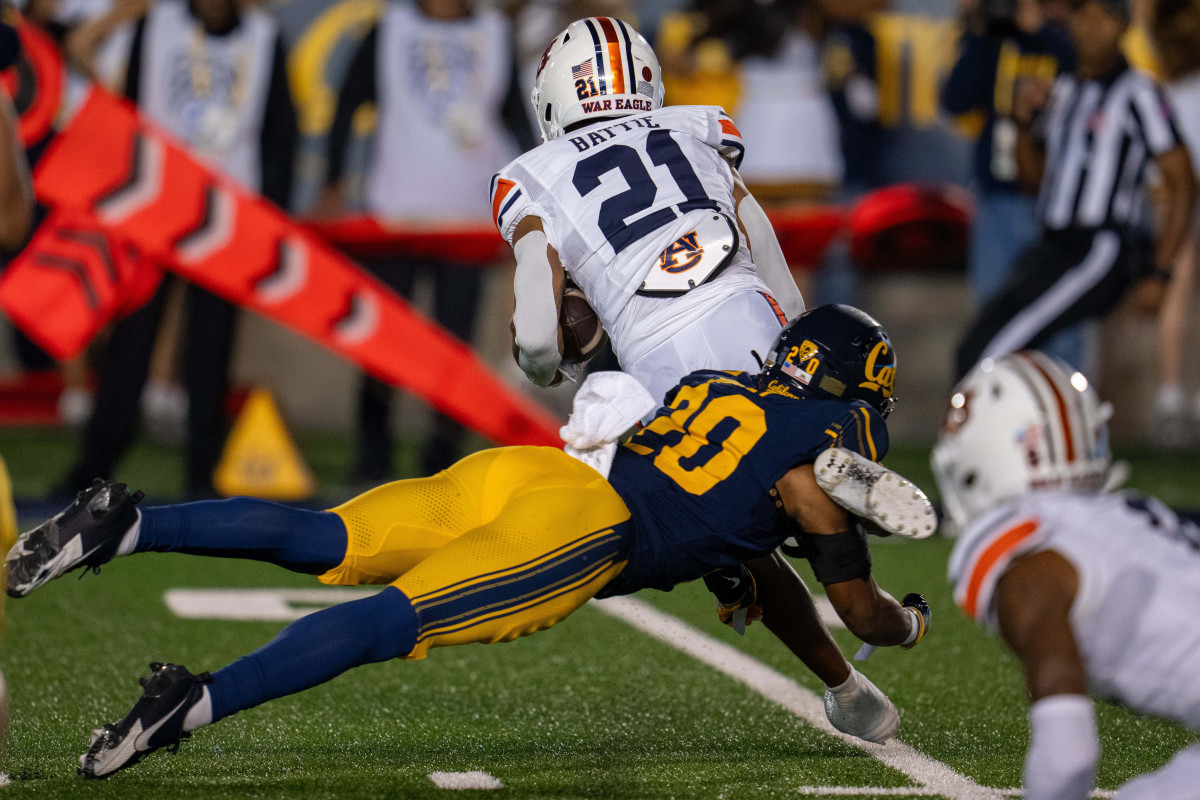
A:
735,590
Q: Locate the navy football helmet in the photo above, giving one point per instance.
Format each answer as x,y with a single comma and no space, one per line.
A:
836,352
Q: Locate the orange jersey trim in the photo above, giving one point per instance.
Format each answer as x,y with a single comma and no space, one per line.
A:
782,317
503,187
1002,546
729,128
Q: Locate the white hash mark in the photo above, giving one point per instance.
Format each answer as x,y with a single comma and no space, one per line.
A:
465,780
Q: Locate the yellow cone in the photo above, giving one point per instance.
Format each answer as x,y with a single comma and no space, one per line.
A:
260,458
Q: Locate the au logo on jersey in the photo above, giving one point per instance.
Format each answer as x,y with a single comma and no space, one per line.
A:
681,255
880,377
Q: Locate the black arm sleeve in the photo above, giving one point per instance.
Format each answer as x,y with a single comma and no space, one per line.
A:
279,132
358,88
133,70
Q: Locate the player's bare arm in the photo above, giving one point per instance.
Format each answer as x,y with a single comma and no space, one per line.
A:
537,343
790,614
870,613
768,256
1033,605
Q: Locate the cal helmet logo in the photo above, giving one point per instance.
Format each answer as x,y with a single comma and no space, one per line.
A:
803,352
800,363
880,378
683,254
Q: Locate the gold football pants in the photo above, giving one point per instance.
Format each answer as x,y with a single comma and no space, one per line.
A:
502,544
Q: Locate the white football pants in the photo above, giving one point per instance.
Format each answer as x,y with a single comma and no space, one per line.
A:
721,339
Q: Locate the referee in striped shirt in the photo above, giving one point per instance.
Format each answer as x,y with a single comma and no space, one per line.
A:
1088,140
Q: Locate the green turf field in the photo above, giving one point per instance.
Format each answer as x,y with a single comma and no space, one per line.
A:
592,709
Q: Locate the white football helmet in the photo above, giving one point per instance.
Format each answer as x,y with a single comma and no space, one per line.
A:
597,67
1025,422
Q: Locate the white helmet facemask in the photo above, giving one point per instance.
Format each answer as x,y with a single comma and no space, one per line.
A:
598,67
1025,422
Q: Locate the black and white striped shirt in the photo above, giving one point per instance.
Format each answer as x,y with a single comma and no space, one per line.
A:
1099,136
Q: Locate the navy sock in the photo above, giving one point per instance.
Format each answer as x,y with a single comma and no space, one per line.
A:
244,527
315,648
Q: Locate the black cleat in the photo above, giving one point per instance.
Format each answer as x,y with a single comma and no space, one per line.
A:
86,534
156,721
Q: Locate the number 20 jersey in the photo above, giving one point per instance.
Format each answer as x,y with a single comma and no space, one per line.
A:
698,479
612,196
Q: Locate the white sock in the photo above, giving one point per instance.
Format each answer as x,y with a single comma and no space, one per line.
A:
845,687
200,714
130,539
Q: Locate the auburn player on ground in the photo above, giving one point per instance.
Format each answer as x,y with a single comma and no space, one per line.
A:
642,207
1095,593
510,541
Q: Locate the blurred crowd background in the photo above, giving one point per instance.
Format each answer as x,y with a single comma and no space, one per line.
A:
837,101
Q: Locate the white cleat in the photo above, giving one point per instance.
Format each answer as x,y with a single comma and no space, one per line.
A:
874,492
859,709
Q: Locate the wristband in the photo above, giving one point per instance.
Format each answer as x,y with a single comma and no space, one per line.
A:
916,626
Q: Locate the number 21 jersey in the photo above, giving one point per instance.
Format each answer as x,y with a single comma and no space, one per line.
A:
612,196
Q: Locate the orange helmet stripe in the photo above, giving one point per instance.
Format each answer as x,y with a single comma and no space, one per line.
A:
1064,415
616,66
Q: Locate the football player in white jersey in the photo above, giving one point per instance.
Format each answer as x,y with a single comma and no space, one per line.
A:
1095,593
642,207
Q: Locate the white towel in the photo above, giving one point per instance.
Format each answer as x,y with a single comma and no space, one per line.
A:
606,406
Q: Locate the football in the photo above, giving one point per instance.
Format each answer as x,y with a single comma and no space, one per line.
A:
582,334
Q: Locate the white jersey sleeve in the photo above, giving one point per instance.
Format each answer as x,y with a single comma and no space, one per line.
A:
729,140
511,203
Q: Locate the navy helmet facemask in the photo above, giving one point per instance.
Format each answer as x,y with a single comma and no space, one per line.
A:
834,352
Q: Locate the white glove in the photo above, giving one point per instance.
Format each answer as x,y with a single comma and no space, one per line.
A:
606,406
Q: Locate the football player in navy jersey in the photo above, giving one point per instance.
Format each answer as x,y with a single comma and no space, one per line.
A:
510,541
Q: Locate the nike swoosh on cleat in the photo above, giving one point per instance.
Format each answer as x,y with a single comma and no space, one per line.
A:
130,745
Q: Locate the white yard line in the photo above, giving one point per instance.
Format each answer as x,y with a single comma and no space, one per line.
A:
465,780
934,777
905,791
866,791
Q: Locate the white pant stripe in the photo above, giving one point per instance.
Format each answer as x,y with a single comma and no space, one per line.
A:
1074,284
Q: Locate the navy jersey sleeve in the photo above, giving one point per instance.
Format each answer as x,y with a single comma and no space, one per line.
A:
862,430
